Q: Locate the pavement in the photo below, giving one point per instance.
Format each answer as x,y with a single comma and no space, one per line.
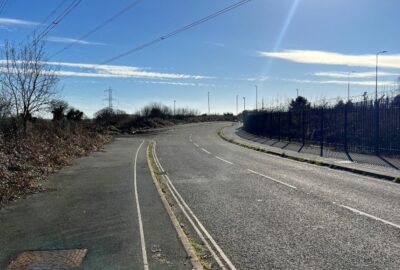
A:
91,205
267,212
369,164
329,152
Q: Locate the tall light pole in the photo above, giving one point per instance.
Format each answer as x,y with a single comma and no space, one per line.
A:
174,107
208,103
297,92
256,97
237,104
348,85
244,103
376,78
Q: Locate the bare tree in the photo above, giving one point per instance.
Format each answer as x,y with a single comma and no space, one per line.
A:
26,78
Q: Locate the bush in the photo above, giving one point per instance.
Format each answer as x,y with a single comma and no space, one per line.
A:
46,148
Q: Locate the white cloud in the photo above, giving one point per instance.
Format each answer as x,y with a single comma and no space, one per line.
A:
213,43
9,21
338,74
257,79
362,83
334,58
72,40
175,83
113,71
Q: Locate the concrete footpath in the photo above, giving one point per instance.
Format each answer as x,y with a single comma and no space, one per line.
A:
91,206
234,132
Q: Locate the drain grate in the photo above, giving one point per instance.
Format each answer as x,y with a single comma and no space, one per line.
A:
46,260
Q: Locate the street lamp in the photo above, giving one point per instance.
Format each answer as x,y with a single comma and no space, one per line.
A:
256,97
348,85
376,78
237,104
208,95
244,103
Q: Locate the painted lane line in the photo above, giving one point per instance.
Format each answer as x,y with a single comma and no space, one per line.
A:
224,160
207,234
190,138
195,144
205,151
272,179
142,240
197,230
370,216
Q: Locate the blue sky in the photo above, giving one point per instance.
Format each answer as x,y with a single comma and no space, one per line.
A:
281,46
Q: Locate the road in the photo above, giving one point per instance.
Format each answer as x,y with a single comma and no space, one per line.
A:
266,212
254,210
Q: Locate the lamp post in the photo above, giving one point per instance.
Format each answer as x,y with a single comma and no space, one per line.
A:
377,135
376,78
256,97
174,107
208,95
237,104
244,103
348,85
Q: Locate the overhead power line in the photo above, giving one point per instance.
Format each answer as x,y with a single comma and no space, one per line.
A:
2,5
54,11
58,19
177,31
97,28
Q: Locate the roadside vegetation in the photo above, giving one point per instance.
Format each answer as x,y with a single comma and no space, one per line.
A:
31,146
40,133
154,115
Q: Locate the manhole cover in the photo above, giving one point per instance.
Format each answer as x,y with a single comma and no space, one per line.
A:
46,260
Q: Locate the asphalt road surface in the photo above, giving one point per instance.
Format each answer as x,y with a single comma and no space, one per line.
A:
262,211
266,212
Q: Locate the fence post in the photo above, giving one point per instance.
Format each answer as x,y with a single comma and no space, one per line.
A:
303,139
322,132
289,126
377,127
345,127
279,126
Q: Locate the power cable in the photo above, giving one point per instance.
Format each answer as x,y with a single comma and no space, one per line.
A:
54,11
98,27
177,31
64,14
2,5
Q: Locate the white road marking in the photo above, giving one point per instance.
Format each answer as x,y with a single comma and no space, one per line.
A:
190,138
142,241
370,216
204,150
181,203
224,160
195,144
272,179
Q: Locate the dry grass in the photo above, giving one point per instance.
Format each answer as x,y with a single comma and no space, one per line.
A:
25,162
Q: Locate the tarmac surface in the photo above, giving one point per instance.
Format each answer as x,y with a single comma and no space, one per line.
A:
268,212
263,211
